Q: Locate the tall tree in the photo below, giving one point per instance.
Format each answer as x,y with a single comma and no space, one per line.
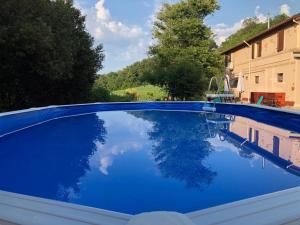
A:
185,50
47,57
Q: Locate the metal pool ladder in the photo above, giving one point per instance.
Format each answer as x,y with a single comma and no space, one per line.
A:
225,96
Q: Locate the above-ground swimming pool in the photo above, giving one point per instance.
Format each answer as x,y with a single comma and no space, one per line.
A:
135,158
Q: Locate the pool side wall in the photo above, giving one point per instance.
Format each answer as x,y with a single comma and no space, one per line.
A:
13,121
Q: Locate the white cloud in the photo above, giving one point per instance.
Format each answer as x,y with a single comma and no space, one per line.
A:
285,9
103,14
262,18
117,144
222,31
105,26
107,154
123,43
157,7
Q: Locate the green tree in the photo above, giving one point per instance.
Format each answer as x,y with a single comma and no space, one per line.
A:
251,27
186,53
132,76
47,57
99,94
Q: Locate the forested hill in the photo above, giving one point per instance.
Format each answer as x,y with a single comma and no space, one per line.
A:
183,58
181,76
132,76
251,27
138,73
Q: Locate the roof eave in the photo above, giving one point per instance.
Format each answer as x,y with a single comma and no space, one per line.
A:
292,19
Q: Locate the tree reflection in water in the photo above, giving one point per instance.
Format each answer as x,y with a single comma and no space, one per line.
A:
50,161
180,145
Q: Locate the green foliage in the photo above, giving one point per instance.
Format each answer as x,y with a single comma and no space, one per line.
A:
121,84
99,94
131,76
250,28
185,53
183,80
141,93
181,62
47,57
128,95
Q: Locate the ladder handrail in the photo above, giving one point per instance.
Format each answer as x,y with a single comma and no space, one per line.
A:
210,82
219,80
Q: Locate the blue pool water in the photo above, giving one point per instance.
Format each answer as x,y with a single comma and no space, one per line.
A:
137,161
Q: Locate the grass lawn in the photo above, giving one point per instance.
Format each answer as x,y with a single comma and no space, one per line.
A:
141,93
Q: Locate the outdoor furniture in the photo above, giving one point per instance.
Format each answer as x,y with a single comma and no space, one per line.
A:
274,99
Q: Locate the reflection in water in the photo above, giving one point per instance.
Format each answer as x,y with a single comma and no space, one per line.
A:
171,135
250,137
180,145
220,125
150,160
121,139
50,162
281,144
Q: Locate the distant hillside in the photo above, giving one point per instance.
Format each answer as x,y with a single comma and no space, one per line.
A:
131,76
250,28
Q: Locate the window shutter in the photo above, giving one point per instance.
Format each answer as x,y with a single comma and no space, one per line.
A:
253,51
280,40
259,49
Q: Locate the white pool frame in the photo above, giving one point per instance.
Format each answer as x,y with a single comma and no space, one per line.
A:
281,207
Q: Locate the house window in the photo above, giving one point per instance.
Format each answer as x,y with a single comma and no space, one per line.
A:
280,41
259,48
234,82
280,77
256,79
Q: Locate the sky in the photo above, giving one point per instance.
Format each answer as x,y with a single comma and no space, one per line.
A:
124,26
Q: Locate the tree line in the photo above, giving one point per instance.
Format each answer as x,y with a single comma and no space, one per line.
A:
47,56
185,55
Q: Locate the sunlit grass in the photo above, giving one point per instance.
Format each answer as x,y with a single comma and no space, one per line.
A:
141,93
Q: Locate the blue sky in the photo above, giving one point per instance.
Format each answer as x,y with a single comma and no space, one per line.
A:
124,26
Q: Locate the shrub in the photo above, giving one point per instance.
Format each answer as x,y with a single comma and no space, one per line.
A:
99,94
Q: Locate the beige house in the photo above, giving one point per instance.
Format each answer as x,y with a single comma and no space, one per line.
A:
268,65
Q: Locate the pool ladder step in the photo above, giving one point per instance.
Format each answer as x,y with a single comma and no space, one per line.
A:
209,107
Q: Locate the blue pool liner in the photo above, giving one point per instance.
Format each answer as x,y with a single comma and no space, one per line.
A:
12,121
